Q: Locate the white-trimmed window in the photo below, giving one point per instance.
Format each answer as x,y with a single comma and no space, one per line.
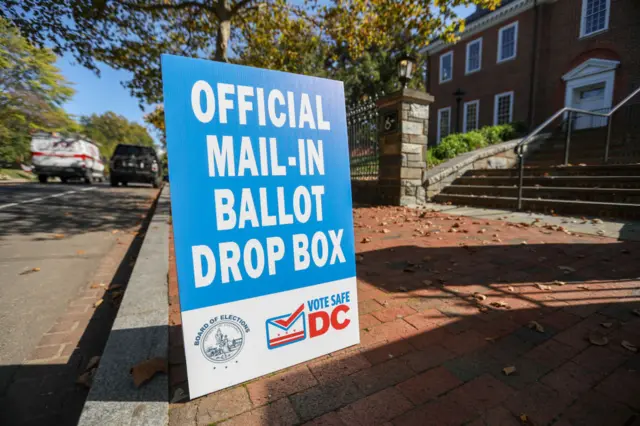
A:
595,16
503,108
508,42
446,67
474,56
470,117
444,123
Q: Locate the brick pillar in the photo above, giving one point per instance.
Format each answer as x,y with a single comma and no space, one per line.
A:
402,129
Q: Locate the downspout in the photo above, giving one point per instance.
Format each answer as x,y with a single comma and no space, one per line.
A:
534,65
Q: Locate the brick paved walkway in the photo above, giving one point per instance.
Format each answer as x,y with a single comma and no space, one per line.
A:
445,305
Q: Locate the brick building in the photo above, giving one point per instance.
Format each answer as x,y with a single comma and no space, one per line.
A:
529,58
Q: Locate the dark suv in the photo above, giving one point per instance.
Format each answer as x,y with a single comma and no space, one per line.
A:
135,163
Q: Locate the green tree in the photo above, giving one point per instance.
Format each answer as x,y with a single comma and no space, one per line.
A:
110,129
32,92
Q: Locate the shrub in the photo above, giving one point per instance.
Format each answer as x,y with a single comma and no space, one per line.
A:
459,143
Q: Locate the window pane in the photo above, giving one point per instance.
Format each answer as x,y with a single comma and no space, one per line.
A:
445,71
471,118
504,109
444,123
595,16
508,43
474,57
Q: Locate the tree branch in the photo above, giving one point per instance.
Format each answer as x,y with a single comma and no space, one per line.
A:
168,6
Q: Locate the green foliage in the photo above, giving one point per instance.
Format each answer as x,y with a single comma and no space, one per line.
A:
32,92
459,143
110,129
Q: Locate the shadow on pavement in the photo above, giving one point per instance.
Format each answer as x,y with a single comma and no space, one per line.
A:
439,325
100,208
47,394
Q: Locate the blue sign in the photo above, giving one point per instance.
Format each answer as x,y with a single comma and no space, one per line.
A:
261,208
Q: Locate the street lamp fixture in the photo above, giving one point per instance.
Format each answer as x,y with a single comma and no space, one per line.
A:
406,67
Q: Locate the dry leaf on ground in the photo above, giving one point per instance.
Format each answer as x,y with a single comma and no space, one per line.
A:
566,269
509,370
80,252
542,286
115,287
535,325
598,339
560,283
93,362
629,346
115,231
500,304
58,236
636,311
427,282
100,285
511,289
145,370
98,303
607,324
479,296
85,379
366,240
30,271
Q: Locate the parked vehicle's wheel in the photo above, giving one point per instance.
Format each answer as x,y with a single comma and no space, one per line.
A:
88,179
124,183
42,178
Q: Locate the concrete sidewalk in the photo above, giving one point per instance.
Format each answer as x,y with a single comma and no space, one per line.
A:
463,321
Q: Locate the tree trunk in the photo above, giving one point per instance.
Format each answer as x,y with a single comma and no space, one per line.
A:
222,40
223,13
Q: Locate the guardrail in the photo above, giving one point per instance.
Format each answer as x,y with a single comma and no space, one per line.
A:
569,111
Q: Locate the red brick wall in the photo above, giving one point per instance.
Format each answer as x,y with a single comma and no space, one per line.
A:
493,78
560,50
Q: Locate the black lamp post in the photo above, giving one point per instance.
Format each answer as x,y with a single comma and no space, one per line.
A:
459,94
406,67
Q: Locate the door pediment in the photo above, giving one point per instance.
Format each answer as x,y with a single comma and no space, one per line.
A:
590,67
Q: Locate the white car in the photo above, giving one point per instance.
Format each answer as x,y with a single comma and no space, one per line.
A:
67,158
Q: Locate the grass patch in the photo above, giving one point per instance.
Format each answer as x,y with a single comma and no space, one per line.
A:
6,174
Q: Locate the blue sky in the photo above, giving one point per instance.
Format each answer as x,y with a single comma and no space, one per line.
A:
95,95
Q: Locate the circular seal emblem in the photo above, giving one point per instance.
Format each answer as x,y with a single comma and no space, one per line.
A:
223,341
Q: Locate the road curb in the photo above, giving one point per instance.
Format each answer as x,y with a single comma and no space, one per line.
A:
140,332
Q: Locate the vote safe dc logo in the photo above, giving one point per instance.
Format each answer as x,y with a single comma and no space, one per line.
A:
222,338
286,329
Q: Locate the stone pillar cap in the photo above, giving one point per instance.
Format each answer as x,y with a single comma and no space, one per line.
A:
405,95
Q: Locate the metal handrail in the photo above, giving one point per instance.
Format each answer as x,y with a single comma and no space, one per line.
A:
519,149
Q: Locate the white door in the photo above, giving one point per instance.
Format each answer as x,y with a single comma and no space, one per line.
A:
589,98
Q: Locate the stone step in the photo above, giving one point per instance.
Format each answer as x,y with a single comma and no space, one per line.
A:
595,170
603,195
554,181
551,206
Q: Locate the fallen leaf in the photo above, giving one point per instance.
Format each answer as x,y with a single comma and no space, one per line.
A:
607,324
145,370
80,252
98,303
366,240
115,287
30,271
535,325
68,214
427,282
511,289
566,269
409,269
500,304
509,370
93,362
116,295
385,231
58,236
559,283
636,311
178,395
629,346
543,287
479,296
524,418
583,287
598,339
101,285
402,289
86,379
115,231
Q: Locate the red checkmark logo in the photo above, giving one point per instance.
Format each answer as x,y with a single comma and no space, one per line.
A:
286,322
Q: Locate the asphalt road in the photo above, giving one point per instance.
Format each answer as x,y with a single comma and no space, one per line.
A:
64,230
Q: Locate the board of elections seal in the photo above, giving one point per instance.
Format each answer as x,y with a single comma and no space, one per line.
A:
224,338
